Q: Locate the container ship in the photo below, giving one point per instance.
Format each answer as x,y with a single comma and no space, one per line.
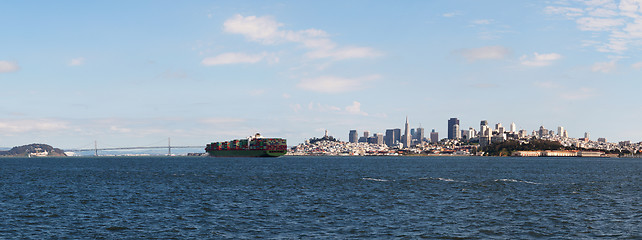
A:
254,146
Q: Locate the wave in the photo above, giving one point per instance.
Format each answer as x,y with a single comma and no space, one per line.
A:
443,179
515,181
375,179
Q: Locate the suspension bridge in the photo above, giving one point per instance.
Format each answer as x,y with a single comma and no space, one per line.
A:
96,149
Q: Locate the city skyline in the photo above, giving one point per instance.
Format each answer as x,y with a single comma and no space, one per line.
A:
134,73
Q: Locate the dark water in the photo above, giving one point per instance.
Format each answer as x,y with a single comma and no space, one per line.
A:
320,197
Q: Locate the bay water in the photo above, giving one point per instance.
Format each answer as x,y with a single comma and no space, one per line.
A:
320,197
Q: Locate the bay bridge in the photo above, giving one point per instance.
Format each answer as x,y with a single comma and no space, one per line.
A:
96,149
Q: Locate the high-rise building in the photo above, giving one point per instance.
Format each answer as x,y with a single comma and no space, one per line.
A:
565,134
452,133
389,139
497,126
472,132
560,131
366,134
379,138
601,140
587,136
419,135
353,136
513,128
397,135
483,128
542,132
412,133
434,136
406,136
465,134
456,132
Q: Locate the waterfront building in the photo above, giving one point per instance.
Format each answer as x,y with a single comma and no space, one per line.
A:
452,133
434,136
353,136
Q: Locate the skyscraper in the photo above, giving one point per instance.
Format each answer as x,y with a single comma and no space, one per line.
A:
513,128
389,139
406,137
560,131
397,135
420,135
452,134
483,127
434,136
353,136
456,132
587,136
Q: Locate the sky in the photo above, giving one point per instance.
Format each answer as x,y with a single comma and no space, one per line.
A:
135,73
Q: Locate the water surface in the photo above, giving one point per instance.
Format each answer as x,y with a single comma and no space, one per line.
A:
320,197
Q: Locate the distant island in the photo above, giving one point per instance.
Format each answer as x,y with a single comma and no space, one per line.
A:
33,150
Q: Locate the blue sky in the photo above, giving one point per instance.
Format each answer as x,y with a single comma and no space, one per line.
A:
135,73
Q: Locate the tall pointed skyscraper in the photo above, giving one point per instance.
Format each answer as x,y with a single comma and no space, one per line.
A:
406,136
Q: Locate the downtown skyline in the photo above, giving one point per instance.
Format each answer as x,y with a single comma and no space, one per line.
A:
133,73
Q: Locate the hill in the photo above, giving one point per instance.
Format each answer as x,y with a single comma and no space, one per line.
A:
36,149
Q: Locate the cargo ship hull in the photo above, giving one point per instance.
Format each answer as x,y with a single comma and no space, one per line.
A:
254,146
246,153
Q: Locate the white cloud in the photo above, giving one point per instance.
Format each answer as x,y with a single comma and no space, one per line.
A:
451,14
260,29
616,27
323,107
566,11
6,66
598,24
332,84
579,94
119,129
77,61
344,53
637,65
266,30
482,21
233,58
484,53
355,108
604,67
539,60
32,125
296,107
